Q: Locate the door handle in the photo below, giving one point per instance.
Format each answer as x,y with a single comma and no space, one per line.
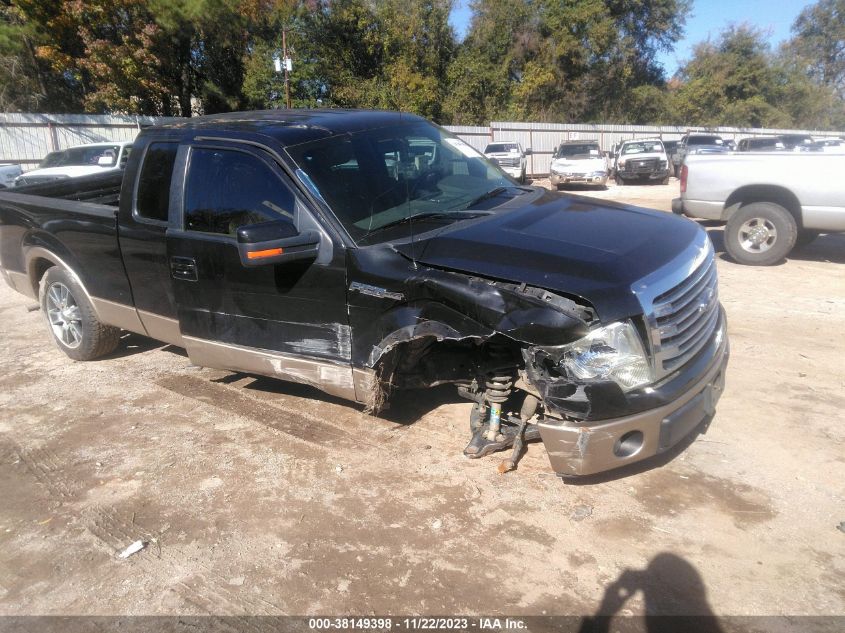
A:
184,268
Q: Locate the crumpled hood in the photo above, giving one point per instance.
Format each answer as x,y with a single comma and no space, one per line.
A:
573,245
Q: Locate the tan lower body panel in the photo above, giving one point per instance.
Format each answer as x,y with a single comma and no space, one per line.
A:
162,328
333,378
118,314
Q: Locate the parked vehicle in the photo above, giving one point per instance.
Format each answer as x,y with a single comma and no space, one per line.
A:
578,162
827,146
278,243
8,173
794,142
671,148
691,141
510,156
642,159
82,160
770,202
761,144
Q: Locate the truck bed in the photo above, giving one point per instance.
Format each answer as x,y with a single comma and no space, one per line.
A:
99,189
75,219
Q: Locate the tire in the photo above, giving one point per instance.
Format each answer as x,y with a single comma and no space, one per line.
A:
760,234
71,319
805,237
620,180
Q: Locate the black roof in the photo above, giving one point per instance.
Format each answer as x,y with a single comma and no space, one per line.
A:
291,127
581,142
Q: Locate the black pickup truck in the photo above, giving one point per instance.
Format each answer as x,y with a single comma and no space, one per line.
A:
363,252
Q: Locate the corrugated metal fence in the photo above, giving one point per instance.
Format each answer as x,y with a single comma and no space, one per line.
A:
27,138
543,138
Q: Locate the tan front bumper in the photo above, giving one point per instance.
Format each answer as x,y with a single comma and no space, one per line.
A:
587,449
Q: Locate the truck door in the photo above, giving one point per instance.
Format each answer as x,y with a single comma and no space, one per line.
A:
143,221
260,286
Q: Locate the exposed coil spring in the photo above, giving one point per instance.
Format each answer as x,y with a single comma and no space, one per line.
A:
499,382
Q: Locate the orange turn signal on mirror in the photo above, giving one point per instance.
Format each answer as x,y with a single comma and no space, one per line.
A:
270,252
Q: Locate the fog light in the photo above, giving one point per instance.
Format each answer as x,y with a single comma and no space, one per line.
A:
629,444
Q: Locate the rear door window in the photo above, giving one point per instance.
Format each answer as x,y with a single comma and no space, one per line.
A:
153,199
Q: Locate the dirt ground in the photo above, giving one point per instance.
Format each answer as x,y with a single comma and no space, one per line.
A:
261,497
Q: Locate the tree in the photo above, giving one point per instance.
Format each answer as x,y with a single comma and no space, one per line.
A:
738,81
818,43
552,60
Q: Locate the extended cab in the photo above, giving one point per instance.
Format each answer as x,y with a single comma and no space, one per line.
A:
318,247
771,202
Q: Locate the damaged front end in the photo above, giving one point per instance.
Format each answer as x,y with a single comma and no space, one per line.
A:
535,363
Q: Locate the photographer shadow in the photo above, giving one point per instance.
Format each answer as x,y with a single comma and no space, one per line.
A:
675,600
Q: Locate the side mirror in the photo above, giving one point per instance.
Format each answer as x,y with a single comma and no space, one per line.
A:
105,161
275,242
528,152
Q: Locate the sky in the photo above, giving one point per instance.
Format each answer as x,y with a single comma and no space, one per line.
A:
707,19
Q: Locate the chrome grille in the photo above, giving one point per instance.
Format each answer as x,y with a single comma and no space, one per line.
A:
508,162
684,317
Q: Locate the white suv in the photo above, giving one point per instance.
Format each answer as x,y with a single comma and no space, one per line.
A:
510,157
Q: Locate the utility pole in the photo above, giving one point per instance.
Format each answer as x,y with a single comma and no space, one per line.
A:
287,65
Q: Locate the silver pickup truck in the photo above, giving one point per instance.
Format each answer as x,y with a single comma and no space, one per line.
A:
771,202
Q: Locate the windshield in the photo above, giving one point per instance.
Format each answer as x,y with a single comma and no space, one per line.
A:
375,178
501,148
643,147
80,156
704,140
580,150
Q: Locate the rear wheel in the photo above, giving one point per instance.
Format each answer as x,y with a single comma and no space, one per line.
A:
760,234
71,318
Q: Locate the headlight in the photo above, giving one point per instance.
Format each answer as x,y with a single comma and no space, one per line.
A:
621,164
613,352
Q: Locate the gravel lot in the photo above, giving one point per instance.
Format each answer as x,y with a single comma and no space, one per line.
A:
261,497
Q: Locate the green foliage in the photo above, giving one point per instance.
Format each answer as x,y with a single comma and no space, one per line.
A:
541,60
738,81
819,43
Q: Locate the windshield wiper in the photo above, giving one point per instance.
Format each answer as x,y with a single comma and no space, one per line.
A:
432,215
493,193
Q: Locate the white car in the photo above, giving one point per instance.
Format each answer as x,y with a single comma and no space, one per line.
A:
510,157
580,162
8,173
642,159
82,160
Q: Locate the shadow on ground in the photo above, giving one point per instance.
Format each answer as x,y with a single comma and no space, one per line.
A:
674,594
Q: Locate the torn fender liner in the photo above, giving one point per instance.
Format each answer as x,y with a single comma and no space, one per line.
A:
452,306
